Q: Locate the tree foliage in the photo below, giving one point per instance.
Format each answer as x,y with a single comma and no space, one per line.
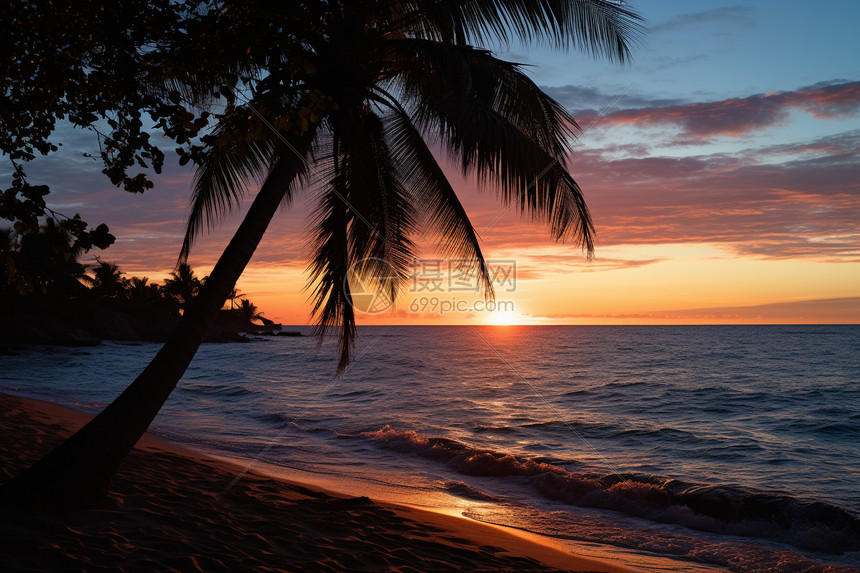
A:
103,66
376,86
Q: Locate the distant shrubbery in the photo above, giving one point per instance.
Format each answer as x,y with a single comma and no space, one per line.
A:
45,283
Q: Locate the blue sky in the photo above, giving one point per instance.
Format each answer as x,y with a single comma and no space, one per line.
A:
705,50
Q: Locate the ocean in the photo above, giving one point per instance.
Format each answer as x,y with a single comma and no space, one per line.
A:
719,447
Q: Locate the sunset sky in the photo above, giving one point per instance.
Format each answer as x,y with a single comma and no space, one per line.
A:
724,182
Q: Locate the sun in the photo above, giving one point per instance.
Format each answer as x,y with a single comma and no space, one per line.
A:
503,318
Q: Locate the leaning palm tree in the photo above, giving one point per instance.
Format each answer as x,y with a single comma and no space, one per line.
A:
349,102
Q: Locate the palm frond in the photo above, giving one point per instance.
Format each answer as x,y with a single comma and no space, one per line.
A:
428,182
236,157
362,225
466,97
463,73
377,193
599,27
329,269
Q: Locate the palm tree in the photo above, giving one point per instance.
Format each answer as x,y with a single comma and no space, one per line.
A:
183,285
140,289
361,91
47,261
8,255
249,310
108,280
233,296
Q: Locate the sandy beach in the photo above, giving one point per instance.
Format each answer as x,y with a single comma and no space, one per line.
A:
168,511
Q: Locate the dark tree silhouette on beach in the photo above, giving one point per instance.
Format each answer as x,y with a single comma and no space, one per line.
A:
141,291
249,310
45,262
182,284
108,281
234,296
347,99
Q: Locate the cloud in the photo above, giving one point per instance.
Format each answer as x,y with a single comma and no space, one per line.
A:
829,310
776,202
736,117
583,100
727,16
535,267
805,207
847,142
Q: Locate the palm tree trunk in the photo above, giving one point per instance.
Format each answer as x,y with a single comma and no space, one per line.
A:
79,471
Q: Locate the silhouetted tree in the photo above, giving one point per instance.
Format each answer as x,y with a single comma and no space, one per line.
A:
233,296
9,261
249,310
183,285
47,262
100,66
108,281
140,290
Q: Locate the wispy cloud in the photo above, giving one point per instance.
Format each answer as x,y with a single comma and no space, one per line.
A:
532,267
584,100
804,207
716,19
735,117
777,202
829,310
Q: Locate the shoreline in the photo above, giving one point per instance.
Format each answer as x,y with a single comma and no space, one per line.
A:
264,522
89,324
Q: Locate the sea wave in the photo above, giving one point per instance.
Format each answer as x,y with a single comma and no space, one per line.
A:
723,509
462,489
220,390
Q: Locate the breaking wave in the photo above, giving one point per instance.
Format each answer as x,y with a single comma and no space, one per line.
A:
723,509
